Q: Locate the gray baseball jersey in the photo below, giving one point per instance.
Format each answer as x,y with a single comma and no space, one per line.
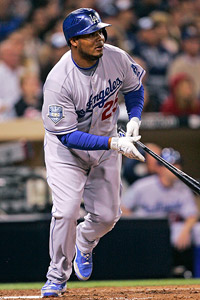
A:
75,99
148,197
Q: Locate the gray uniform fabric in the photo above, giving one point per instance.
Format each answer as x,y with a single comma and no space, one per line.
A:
75,100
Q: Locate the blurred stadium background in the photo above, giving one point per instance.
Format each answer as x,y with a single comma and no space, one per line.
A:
31,42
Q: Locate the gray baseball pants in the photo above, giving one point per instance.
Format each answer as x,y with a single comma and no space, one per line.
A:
93,177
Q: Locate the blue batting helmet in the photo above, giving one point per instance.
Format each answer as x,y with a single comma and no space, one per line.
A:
172,156
82,21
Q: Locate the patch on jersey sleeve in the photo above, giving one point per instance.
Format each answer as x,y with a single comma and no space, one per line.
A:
56,113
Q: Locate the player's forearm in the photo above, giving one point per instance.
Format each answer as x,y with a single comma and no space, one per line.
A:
84,141
184,239
189,223
126,211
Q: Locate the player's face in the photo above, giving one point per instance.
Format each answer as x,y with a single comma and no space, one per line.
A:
167,175
90,46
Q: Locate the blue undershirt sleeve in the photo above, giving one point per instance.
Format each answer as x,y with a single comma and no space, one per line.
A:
134,101
84,141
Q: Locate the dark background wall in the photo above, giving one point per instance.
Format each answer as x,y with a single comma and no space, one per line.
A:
133,249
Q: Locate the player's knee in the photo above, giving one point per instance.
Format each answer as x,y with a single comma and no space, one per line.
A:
68,214
110,218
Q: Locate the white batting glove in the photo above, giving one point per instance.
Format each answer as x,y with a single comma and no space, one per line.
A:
125,146
132,127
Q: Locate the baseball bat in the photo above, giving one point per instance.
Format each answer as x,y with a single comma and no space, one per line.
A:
188,180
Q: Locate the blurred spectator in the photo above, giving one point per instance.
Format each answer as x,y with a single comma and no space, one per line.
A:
188,61
126,21
31,47
175,22
29,60
182,100
53,10
21,8
112,7
18,41
69,5
86,3
42,21
164,195
10,71
197,22
162,29
116,36
159,194
30,103
187,8
157,58
146,7
51,53
10,20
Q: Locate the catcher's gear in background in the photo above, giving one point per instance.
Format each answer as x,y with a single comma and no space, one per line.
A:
83,21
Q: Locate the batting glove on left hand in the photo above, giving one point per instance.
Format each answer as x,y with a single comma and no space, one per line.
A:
132,127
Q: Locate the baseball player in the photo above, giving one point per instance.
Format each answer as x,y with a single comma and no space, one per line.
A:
169,198
81,145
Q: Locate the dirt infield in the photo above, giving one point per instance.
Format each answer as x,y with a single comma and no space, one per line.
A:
115,293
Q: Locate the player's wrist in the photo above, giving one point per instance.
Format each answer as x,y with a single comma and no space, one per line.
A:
113,143
135,119
109,142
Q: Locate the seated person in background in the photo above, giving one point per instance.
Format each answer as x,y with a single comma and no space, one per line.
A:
30,103
164,195
10,72
133,170
182,100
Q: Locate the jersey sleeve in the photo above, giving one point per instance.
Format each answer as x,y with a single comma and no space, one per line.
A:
133,74
58,112
84,141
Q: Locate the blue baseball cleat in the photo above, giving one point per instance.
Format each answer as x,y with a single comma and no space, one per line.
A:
51,289
83,264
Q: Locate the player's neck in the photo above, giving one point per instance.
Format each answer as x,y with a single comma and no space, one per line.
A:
166,182
85,66
84,62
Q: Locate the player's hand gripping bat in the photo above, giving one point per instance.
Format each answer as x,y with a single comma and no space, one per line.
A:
188,180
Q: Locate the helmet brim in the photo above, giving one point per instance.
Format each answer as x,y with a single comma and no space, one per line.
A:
93,28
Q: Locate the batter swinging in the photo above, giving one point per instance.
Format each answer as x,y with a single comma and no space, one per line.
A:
81,145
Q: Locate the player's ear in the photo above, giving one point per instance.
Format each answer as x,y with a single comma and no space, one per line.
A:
74,41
